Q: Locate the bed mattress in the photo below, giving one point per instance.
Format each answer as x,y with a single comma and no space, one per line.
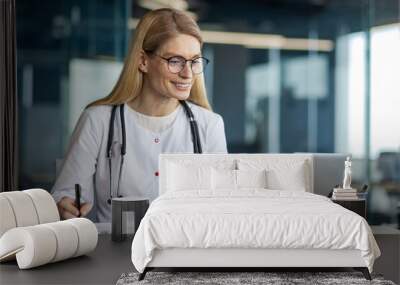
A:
250,219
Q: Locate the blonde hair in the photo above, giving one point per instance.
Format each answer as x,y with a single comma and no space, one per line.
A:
154,29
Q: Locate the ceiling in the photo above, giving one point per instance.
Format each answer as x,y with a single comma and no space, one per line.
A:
292,18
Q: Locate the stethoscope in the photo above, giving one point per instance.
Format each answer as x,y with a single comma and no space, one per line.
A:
193,129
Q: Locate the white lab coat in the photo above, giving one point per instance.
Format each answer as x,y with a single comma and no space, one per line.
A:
86,162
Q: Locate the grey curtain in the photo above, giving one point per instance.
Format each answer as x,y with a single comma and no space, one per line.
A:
8,97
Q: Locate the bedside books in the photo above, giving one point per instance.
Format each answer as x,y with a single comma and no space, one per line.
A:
344,194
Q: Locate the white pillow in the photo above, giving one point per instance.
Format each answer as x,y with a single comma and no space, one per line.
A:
282,174
251,178
223,179
227,179
182,177
292,180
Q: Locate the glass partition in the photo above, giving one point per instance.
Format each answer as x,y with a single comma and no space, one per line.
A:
287,76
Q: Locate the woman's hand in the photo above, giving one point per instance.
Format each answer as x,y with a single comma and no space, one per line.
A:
68,210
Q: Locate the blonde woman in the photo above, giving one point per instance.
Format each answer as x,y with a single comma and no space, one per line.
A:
158,105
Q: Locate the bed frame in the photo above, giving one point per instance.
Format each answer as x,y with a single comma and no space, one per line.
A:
256,259
326,171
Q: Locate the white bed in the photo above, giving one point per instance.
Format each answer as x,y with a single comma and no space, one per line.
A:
209,226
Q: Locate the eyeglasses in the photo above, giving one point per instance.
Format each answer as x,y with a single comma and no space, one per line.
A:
177,63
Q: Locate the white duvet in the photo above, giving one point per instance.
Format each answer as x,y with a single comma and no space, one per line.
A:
251,218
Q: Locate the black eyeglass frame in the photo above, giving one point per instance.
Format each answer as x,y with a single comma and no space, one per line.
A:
167,59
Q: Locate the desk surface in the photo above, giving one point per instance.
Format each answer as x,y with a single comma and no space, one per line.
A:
102,266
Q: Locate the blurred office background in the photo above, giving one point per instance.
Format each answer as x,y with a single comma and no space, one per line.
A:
286,75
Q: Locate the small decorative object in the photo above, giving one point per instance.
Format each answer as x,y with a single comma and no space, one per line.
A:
347,174
346,192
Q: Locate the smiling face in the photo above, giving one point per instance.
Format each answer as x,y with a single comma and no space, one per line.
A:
158,79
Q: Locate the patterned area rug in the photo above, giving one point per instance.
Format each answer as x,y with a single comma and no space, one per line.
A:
242,278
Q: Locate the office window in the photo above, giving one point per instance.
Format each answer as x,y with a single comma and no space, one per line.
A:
286,76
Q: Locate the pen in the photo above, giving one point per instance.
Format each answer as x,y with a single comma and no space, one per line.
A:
78,197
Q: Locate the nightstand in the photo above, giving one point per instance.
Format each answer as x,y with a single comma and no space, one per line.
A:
358,206
388,263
